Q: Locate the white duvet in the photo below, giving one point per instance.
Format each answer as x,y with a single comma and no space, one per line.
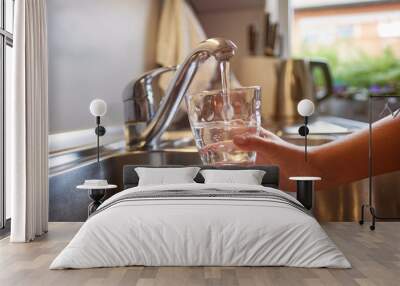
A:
200,231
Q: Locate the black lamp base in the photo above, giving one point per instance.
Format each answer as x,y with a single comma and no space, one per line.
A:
100,130
303,130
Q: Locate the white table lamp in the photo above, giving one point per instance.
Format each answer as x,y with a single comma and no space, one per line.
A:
305,108
98,108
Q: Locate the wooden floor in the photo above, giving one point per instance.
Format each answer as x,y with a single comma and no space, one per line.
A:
375,257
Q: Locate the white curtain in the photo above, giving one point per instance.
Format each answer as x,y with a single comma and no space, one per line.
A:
179,33
27,123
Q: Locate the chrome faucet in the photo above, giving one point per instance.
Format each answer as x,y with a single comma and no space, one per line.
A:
144,125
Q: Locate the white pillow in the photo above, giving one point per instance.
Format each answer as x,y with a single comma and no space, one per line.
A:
164,176
248,177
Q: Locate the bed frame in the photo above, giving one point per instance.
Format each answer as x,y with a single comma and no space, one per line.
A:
270,179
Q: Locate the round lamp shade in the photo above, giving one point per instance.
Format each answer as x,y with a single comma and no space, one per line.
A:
98,107
305,107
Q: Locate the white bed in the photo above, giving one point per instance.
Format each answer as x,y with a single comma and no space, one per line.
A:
269,229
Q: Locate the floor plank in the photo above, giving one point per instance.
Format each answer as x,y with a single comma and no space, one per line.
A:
375,257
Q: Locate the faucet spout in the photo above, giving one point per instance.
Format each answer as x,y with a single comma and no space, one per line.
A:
219,48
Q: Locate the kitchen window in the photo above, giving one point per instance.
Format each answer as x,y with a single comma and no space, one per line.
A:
359,39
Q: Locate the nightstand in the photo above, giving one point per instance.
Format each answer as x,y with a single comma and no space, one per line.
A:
305,190
96,193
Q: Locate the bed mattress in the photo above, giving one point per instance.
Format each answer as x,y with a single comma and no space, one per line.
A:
201,225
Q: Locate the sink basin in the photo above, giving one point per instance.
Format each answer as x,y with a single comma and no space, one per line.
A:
341,203
66,203
312,140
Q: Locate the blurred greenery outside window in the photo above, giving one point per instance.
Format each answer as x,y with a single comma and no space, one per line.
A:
362,49
376,74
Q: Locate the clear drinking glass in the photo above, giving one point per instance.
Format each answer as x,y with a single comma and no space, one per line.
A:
215,118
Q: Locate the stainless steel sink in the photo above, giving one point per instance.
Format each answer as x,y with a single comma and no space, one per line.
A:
312,140
68,204
337,204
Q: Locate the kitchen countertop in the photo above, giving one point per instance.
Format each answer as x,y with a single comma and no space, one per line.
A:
324,129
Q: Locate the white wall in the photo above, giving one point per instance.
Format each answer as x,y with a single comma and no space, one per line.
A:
96,48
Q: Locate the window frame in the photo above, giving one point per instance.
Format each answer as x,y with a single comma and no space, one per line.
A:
6,39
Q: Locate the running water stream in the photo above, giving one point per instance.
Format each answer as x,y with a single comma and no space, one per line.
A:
227,109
